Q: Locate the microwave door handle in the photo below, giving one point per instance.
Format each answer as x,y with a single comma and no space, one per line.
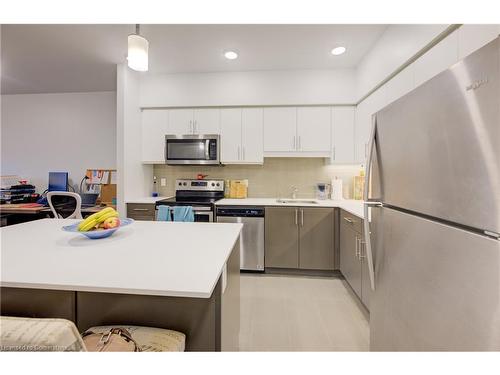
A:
207,149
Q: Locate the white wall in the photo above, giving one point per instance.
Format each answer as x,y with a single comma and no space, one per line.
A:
134,179
397,44
57,132
249,88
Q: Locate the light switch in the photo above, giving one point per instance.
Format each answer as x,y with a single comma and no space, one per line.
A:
163,182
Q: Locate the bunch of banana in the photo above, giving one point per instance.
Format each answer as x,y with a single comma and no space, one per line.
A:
94,220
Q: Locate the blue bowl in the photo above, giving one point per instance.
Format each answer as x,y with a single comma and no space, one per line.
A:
97,234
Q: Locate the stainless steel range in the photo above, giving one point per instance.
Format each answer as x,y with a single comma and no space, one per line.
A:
200,194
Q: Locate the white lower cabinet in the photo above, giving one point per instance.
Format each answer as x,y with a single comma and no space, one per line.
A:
242,136
154,125
342,135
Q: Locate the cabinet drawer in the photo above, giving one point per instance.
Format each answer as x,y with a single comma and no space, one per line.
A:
352,221
141,211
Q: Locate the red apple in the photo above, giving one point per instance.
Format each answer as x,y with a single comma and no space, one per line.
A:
111,222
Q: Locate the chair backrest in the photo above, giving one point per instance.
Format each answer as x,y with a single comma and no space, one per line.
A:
65,204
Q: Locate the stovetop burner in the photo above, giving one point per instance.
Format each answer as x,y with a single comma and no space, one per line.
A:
195,193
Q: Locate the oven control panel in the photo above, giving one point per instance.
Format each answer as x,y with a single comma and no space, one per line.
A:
199,185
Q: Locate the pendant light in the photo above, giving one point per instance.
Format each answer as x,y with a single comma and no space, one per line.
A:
138,46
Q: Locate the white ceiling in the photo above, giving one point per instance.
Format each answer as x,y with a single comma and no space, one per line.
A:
71,58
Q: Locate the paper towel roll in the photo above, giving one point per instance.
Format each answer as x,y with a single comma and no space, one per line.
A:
337,189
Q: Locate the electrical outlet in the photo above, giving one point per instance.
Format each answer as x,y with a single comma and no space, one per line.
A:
163,182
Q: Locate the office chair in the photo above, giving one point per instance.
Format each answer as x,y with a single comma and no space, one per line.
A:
62,202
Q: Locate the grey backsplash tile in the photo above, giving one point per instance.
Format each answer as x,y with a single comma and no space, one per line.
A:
270,180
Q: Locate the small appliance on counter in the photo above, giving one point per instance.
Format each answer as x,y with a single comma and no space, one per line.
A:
358,185
238,189
336,193
321,190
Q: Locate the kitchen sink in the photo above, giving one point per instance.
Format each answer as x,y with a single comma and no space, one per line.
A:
297,201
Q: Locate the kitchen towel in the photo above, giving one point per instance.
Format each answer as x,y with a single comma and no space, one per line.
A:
163,213
183,213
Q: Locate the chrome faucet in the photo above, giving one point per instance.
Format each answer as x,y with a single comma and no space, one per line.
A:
294,190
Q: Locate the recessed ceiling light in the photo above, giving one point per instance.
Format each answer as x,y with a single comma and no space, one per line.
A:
231,55
338,51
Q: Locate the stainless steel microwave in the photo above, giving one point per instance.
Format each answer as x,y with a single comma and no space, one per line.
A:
192,149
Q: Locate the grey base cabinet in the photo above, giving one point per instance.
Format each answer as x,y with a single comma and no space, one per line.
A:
353,265
141,211
299,238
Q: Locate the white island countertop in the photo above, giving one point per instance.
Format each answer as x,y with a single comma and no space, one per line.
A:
147,257
355,207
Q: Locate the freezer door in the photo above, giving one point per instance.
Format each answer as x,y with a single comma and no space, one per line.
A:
437,287
438,148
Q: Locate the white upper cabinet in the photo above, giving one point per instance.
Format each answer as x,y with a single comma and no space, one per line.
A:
206,121
154,127
473,37
343,135
181,121
363,125
242,136
252,135
437,59
401,84
313,129
230,126
280,129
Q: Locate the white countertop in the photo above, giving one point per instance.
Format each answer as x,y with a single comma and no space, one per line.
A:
147,257
355,207
146,200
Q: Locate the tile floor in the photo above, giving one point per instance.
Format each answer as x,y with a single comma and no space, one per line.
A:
297,313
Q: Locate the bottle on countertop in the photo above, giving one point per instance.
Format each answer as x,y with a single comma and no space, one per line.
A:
155,187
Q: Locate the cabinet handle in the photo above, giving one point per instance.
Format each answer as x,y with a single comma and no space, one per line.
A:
296,217
294,143
362,254
239,153
244,153
357,247
194,126
301,218
300,147
140,209
191,126
348,220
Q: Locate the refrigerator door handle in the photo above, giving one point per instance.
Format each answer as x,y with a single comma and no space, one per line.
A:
367,203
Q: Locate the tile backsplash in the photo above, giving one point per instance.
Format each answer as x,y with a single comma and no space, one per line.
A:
272,179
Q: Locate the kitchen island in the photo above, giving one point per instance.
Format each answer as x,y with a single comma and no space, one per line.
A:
182,276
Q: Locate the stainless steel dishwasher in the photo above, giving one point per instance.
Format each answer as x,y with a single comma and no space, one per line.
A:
252,235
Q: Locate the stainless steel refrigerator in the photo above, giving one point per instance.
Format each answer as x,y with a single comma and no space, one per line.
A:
433,244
